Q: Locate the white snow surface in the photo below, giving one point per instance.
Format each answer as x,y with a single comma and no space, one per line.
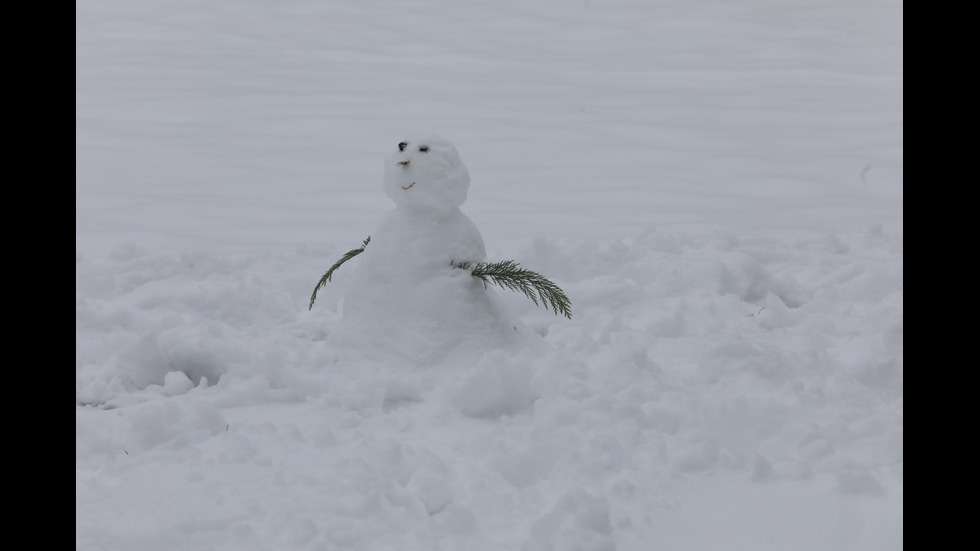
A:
717,187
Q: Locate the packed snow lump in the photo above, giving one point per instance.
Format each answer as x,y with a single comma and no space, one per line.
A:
407,300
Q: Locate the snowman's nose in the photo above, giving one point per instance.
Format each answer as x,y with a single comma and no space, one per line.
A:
402,163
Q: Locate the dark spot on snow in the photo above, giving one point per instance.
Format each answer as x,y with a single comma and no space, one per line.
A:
402,146
424,148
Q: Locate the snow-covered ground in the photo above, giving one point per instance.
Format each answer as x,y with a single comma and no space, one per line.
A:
717,186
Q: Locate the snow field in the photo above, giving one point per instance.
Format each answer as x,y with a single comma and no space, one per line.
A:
747,361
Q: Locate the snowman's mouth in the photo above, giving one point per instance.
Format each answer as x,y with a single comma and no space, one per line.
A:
405,164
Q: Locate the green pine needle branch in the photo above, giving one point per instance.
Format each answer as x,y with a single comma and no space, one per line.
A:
509,275
326,277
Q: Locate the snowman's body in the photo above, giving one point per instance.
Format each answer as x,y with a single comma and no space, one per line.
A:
405,297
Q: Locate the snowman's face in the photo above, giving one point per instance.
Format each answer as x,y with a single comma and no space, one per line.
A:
426,172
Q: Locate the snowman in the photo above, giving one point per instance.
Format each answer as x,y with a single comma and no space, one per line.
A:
411,294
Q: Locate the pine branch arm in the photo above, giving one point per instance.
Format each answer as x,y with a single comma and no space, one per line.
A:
509,275
329,274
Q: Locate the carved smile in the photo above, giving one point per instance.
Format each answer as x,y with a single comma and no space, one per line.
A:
408,186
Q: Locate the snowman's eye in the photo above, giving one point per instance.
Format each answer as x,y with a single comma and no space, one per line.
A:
402,146
424,148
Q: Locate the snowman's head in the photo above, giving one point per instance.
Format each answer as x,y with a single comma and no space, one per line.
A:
426,172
